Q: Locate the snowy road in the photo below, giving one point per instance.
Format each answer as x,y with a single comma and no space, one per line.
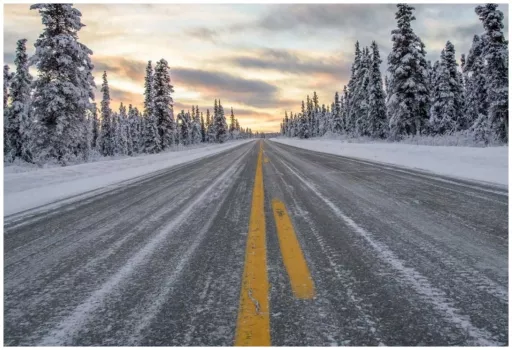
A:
341,252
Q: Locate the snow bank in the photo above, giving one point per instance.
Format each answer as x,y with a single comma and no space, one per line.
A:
489,164
35,186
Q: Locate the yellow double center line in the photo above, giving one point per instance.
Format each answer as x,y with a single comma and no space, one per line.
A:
253,325
294,262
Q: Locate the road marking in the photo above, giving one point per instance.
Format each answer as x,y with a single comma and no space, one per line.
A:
253,325
296,266
266,160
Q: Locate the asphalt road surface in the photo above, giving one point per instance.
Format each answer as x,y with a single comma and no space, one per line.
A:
264,244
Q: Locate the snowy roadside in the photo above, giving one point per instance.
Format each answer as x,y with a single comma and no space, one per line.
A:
36,187
489,164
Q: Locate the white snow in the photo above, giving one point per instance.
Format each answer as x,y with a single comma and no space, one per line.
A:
40,186
488,164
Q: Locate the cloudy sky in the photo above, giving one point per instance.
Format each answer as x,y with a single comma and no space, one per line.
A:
259,59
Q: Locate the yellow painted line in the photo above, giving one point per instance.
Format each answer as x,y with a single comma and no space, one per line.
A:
253,325
296,266
266,159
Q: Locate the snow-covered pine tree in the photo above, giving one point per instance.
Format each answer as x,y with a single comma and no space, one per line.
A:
351,88
134,125
335,122
442,112
495,52
18,122
376,100
408,92
476,92
211,133
152,142
64,89
221,126
285,124
122,130
447,110
185,128
423,93
163,104
309,113
291,128
315,114
455,83
107,132
324,122
359,109
303,128
196,127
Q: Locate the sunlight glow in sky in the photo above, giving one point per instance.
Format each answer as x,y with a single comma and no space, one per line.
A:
259,59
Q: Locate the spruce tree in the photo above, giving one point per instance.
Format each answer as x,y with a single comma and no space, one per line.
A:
163,104
442,111
495,53
324,121
122,130
334,123
134,123
476,92
455,84
196,127
64,88
107,132
18,122
351,88
211,133
152,143
185,124
447,110
376,100
360,96
408,91
221,126
303,129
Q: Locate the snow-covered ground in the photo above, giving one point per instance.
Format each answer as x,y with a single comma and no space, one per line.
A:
489,164
26,188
